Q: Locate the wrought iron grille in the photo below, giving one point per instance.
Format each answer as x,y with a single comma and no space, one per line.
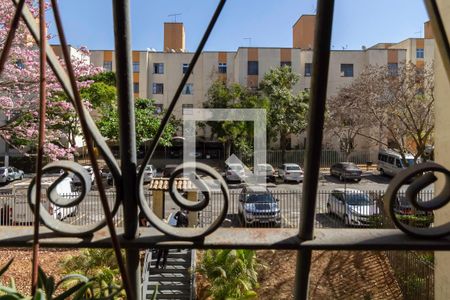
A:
130,192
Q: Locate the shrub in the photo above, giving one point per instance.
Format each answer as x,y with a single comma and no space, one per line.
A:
231,273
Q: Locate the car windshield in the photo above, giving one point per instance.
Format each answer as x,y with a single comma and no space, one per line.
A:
259,198
358,199
293,168
2,170
235,167
350,166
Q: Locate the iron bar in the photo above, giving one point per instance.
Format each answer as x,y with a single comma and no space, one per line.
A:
440,35
176,97
234,238
10,37
41,141
90,146
127,135
321,59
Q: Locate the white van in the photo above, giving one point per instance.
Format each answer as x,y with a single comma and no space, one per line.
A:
21,211
390,162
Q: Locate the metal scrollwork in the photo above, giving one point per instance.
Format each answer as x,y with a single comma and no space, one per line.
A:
56,199
421,176
192,171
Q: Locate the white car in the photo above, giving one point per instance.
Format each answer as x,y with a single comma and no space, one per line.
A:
235,172
149,172
21,212
76,180
8,174
353,206
291,172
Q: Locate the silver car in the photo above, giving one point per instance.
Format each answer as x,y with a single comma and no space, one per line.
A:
355,207
291,172
8,174
235,172
149,172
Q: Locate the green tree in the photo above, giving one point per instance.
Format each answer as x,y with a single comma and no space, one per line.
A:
288,111
231,273
102,92
147,123
233,134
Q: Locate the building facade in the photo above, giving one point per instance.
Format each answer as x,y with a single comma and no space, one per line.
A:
157,74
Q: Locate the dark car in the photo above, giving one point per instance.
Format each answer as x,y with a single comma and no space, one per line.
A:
345,171
410,215
168,170
257,206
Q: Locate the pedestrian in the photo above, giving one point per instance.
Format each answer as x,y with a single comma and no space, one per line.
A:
162,253
182,218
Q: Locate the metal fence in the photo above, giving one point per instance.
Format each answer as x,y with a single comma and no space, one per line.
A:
15,210
289,204
414,272
327,157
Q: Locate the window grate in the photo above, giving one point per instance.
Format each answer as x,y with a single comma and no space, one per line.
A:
303,239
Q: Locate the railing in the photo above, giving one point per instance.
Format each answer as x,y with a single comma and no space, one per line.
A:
414,272
304,239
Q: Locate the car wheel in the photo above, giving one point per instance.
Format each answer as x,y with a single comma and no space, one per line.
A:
346,221
341,178
358,180
21,177
382,172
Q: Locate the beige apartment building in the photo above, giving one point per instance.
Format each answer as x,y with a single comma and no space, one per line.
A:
157,74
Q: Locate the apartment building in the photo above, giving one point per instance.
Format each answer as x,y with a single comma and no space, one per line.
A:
157,74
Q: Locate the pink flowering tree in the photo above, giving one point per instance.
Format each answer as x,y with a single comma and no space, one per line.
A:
19,94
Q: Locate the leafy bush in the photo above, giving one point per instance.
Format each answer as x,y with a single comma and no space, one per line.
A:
100,264
74,286
416,220
231,273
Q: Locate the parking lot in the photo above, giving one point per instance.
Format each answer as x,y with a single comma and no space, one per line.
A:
289,194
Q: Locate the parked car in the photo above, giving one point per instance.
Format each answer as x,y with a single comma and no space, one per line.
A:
390,162
407,213
345,171
257,205
402,206
21,212
234,172
76,180
168,170
290,172
355,207
267,171
8,174
149,172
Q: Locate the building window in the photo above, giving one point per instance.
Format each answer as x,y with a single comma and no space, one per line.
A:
222,68
158,88
136,67
420,53
188,89
185,68
107,65
286,63
158,68
393,69
308,69
158,108
346,70
136,87
252,68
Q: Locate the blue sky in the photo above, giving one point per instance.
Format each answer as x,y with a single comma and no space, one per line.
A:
267,22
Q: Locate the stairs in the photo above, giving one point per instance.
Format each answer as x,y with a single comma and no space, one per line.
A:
175,281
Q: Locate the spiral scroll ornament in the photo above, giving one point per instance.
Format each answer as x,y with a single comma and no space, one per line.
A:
191,170
420,176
